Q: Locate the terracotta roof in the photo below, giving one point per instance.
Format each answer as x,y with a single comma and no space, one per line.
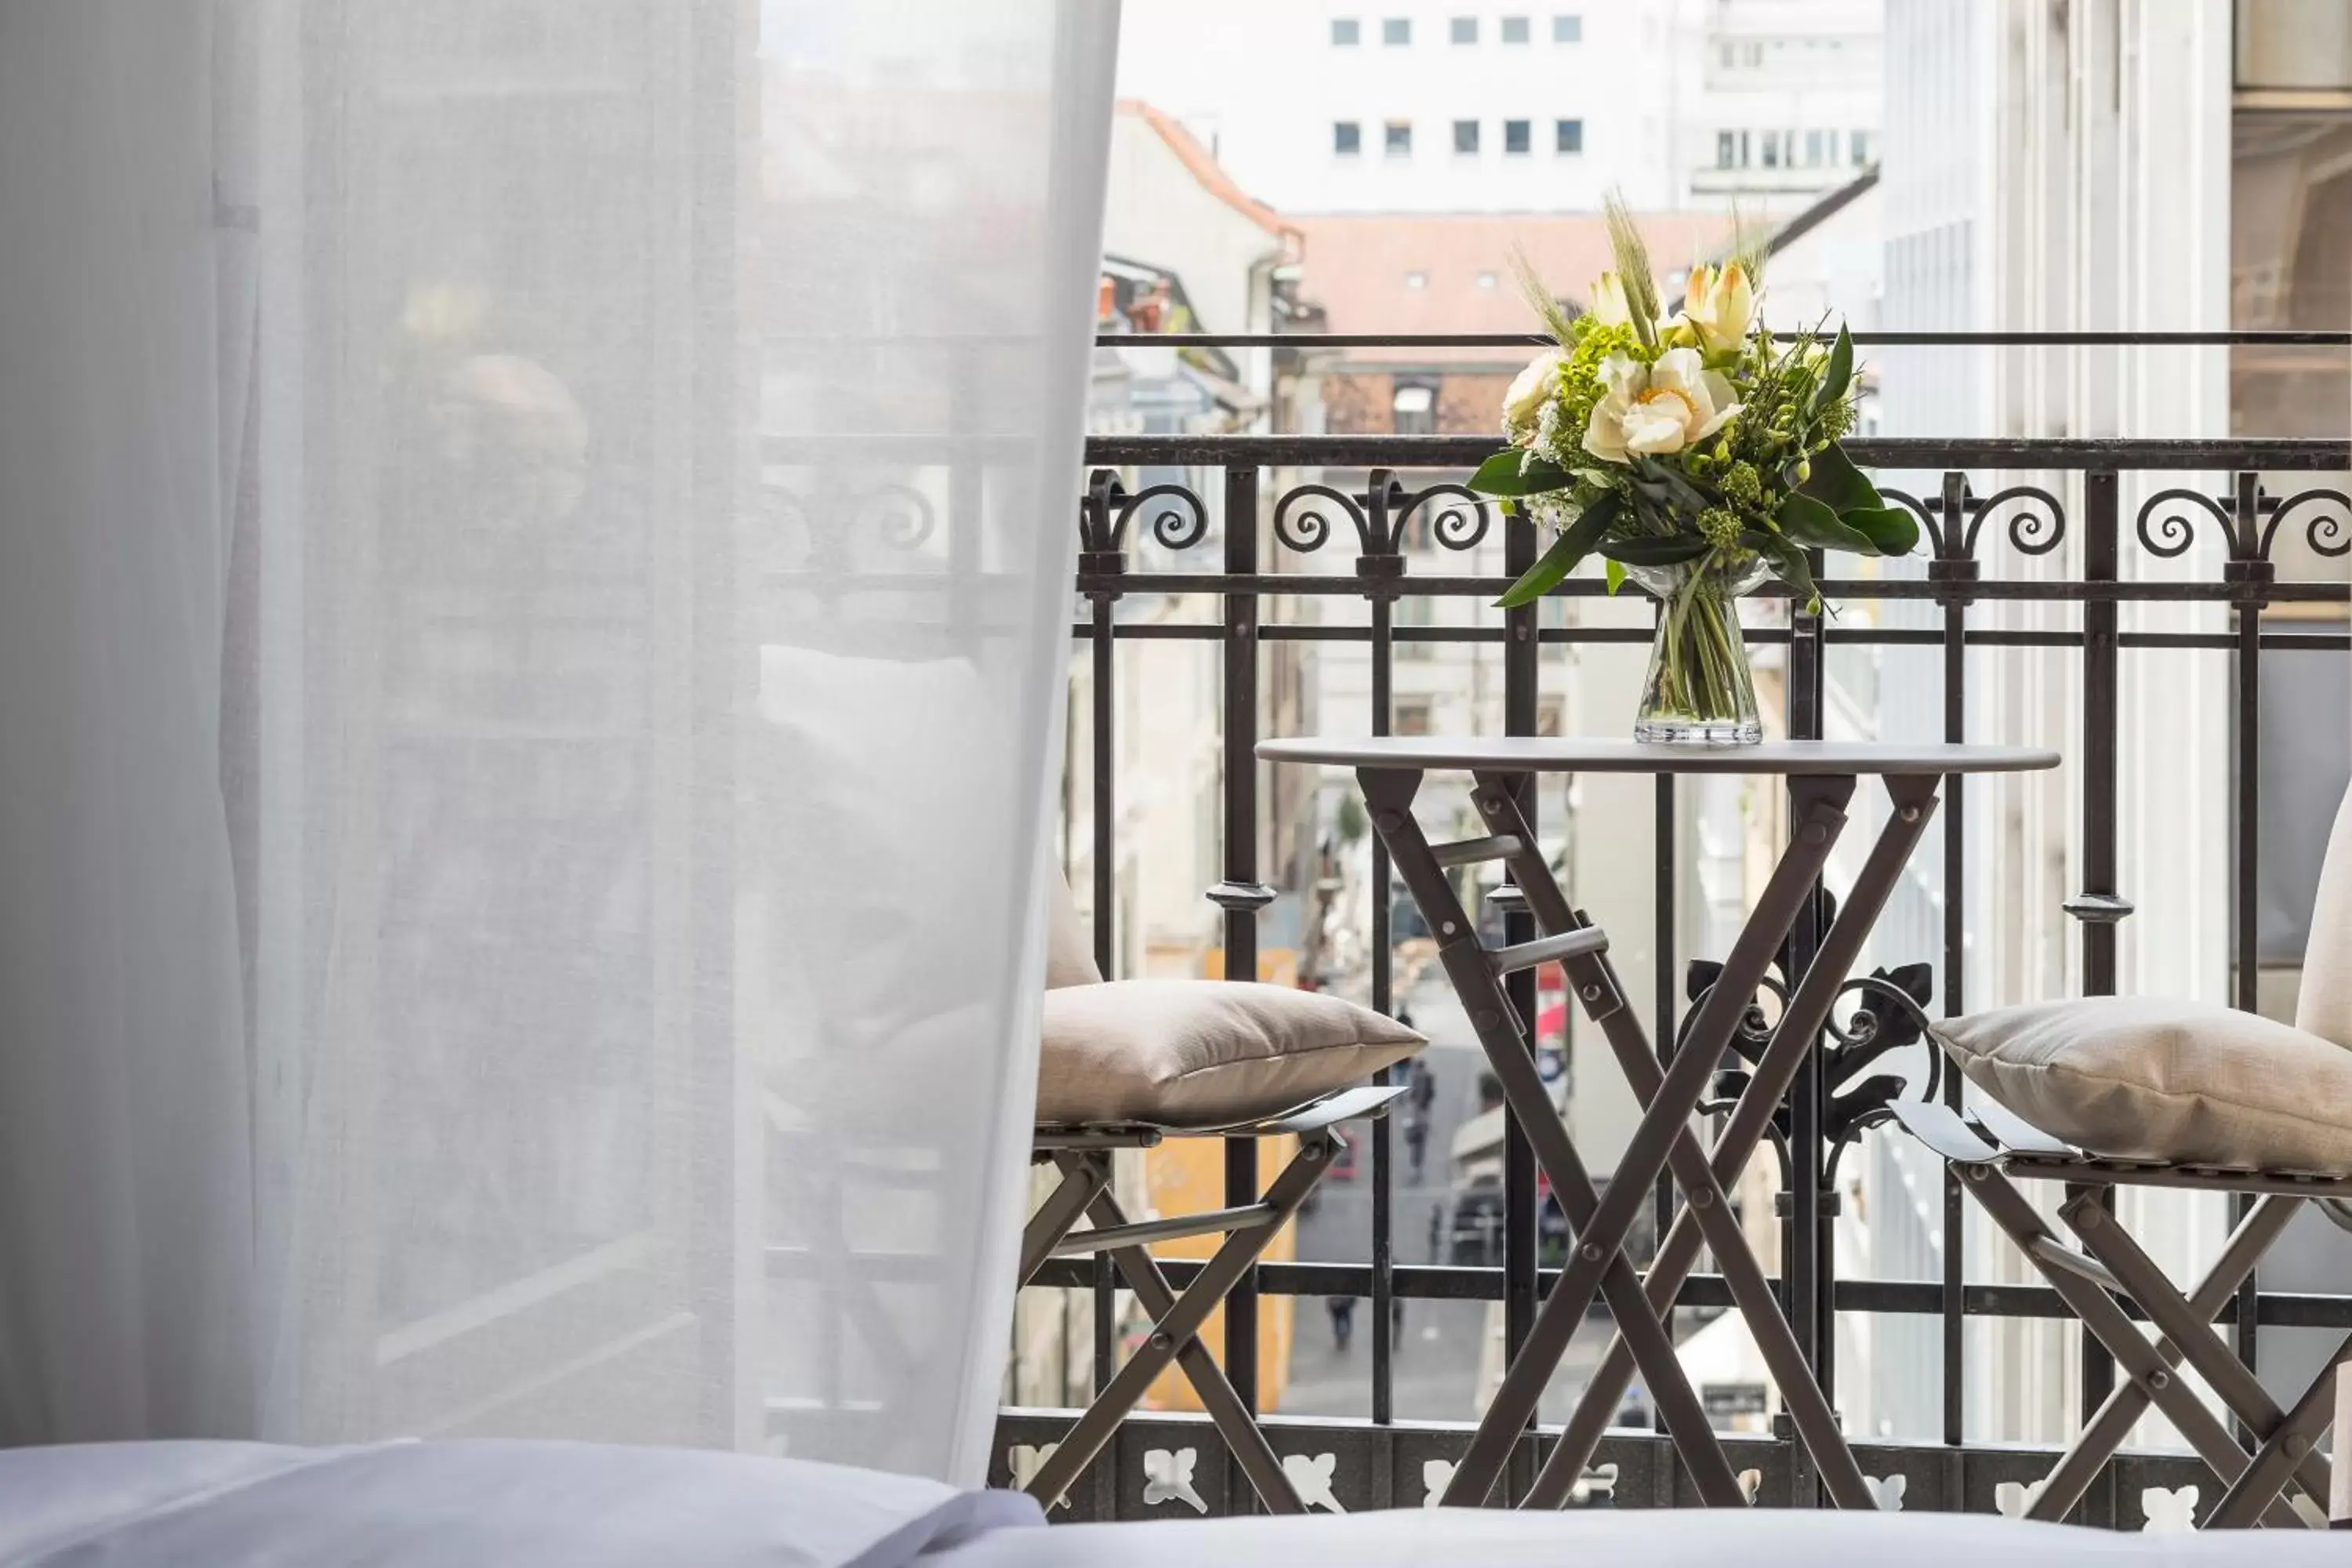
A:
1358,267
1205,169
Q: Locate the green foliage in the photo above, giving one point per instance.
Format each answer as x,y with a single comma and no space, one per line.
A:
1575,543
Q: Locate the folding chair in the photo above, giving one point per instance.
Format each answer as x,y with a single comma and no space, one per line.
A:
1126,1065
1083,1154
1991,1146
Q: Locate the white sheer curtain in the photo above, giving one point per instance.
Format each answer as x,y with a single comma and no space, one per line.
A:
537,553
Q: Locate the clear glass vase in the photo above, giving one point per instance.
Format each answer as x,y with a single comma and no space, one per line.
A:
1699,690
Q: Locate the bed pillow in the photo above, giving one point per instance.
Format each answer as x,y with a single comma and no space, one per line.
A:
2176,1082
1202,1053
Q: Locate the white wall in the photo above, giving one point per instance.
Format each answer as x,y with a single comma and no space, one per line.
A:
2059,169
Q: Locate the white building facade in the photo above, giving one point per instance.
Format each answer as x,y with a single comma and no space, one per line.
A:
1521,106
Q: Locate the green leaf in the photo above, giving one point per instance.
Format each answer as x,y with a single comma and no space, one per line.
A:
1662,482
1808,522
1512,472
1837,484
1574,543
1892,529
1615,572
1656,552
1839,374
1788,563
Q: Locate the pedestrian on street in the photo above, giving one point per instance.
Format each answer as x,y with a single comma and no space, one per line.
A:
1343,1320
1416,1140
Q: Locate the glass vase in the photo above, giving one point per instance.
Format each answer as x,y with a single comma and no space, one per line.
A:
1699,690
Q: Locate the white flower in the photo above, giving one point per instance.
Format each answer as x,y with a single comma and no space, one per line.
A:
1609,307
1533,388
1655,409
1717,307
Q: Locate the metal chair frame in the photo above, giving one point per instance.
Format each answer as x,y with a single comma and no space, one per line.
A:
1994,1144
1083,1155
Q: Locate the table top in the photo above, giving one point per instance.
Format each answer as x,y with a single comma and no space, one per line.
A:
1555,754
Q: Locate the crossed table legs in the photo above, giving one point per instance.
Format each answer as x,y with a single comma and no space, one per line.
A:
1662,1140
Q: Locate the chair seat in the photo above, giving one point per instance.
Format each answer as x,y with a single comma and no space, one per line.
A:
2171,1082
1202,1053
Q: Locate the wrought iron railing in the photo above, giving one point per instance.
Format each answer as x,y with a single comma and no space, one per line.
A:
1291,503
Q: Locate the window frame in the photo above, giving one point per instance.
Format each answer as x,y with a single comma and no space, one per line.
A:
1396,139
1472,127
1346,139
1568,136
1523,132
1396,32
1503,25
1462,31
1567,27
1354,33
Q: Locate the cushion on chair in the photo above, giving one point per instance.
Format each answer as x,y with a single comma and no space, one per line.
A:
1202,1053
2184,1083
1069,946
2324,999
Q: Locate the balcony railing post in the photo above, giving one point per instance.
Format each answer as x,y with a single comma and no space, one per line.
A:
2102,526
2252,572
1382,568
1952,565
1238,895
1521,651
1805,1260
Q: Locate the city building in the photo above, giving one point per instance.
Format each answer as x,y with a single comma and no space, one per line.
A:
1408,106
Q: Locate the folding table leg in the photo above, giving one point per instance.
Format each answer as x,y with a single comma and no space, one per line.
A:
2134,1354
1226,1410
1476,982
2284,1450
1183,1320
1914,798
1594,979
2128,1401
2193,1336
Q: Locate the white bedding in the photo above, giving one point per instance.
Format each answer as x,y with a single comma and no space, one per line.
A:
519,1505
460,1504
1679,1537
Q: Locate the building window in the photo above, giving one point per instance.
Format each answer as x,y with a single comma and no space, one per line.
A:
1568,29
1771,149
1814,157
1725,145
1412,716
1397,30
1515,136
1465,136
1396,139
1751,55
1568,136
1858,147
1414,407
1416,281
1515,29
1347,138
1344,32
1466,29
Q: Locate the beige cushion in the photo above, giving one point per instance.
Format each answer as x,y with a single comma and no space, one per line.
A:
1069,946
2180,1082
2324,1004
1202,1053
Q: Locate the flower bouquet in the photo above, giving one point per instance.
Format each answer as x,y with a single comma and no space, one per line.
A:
1697,457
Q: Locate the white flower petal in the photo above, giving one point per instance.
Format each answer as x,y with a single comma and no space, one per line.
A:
1656,428
1722,417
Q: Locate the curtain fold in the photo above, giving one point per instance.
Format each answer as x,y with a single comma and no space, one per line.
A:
538,574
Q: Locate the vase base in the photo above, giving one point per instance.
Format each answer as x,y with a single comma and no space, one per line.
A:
1700,731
